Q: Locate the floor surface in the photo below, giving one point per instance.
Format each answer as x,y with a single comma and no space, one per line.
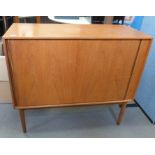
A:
77,122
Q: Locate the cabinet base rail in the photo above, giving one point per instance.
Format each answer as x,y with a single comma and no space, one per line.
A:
118,122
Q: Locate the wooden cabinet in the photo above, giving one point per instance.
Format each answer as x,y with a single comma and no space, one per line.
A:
68,65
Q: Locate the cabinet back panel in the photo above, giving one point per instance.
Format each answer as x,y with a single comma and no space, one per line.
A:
52,72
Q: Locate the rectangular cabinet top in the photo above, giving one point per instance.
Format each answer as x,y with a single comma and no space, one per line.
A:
70,31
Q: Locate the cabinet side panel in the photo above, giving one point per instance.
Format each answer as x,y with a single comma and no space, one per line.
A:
138,68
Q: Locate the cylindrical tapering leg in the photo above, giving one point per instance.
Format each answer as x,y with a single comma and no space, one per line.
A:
22,118
121,113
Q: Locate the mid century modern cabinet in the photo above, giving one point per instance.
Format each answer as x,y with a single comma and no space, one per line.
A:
70,65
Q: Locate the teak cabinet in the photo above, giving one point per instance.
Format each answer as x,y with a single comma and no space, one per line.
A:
69,65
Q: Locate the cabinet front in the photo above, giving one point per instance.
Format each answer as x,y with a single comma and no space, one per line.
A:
59,72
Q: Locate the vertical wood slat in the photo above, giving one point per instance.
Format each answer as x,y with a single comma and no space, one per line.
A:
38,19
16,19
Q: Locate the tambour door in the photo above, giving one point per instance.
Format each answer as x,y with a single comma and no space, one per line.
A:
59,72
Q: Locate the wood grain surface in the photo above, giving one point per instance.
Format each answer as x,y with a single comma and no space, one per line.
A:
52,72
71,31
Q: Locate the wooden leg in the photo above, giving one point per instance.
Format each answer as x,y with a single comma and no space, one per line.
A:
121,113
22,119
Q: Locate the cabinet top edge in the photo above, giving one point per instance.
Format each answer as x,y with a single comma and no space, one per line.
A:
70,31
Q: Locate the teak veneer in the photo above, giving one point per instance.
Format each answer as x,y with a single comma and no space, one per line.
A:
70,65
